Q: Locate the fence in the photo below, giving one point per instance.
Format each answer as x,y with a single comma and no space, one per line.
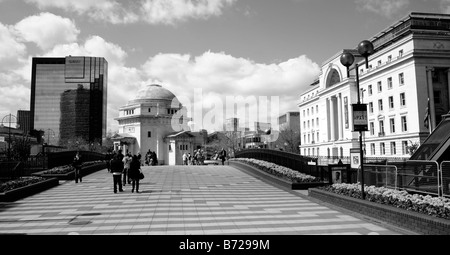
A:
416,176
306,165
324,160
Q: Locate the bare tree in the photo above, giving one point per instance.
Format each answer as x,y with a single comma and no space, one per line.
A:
289,140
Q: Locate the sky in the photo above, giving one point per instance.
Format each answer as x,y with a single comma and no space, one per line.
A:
263,52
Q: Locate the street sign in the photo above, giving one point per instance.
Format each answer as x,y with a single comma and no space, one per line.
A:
360,121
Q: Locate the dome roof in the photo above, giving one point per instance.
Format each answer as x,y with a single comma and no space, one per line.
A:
153,92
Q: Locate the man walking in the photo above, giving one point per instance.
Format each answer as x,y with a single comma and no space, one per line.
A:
116,169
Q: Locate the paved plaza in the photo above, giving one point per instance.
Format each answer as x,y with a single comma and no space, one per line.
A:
181,200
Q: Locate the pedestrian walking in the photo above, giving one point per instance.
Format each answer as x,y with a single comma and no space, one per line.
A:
116,169
135,169
185,159
126,166
223,155
76,164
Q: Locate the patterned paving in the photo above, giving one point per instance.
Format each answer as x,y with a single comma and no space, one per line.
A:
178,200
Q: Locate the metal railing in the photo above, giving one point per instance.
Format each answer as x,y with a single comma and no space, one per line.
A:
379,175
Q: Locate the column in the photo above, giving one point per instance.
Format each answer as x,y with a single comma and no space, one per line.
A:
448,85
340,122
431,97
328,119
332,120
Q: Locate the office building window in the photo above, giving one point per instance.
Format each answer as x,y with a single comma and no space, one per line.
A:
382,149
392,124
317,121
379,63
401,79
381,124
380,105
404,124
391,102
393,149
307,112
304,113
312,121
402,99
317,108
405,147
312,110
389,82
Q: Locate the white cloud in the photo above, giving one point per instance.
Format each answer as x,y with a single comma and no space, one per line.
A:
151,11
47,30
11,49
169,11
221,75
386,8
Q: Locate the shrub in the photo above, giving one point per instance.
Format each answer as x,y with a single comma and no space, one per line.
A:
20,182
434,206
277,170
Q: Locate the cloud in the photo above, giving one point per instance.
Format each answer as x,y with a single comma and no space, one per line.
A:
386,8
47,30
218,76
151,11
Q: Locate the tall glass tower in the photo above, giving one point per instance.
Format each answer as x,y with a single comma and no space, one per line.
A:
69,96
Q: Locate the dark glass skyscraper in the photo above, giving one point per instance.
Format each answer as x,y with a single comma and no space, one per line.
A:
68,96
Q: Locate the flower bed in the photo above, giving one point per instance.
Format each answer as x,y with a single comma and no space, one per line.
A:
433,206
24,186
66,172
279,171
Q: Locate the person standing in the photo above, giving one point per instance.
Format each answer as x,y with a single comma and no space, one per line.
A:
135,168
185,158
77,165
126,166
116,169
139,158
223,155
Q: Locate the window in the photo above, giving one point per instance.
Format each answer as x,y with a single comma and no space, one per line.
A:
404,124
380,105
393,149
304,113
317,108
304,124
381,124
379,63
380,87
309,138
382,149
312,110
372,148
405,147
307,112
392,125
317,136
370,107
312,122
372,128
149,109
317,121
370,66
402,99
400,53
308,123
389,58
389,82
391,102
401,79
149,134
370,90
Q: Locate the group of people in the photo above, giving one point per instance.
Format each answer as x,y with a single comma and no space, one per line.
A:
150,158
128,166
199,157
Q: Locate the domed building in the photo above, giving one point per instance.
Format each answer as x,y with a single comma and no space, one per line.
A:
156,121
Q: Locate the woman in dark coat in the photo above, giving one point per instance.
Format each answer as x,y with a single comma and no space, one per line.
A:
135,168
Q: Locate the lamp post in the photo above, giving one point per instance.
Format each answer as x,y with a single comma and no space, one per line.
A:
9,118
365,49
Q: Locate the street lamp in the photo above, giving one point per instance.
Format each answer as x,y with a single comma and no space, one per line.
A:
9,118
365,49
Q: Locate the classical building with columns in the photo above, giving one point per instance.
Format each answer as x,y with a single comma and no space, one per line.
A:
410,67
155,120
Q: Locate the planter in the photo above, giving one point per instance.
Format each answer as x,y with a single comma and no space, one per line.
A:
71,175
15,194
274,179
414,221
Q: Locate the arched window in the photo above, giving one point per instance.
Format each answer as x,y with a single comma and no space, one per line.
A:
333,77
